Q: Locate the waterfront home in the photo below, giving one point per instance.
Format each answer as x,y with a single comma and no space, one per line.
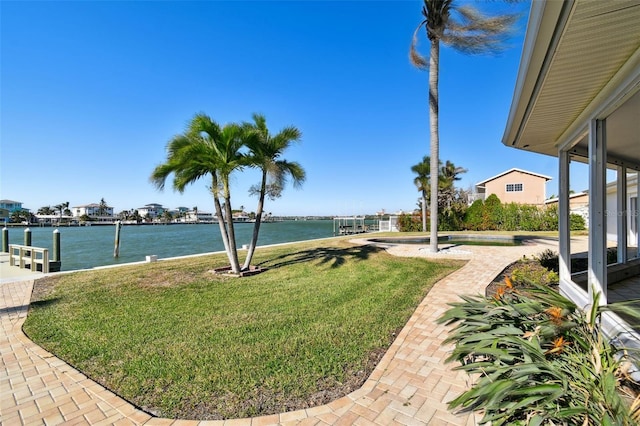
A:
94,211
151,211
241,217
53,219
577,98
11,206
197,216
514,186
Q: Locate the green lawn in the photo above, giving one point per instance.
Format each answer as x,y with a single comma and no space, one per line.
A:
178,341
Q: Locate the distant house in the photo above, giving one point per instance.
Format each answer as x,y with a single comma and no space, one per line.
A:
578,204
93,211
514,186
7,207
152,210
195,216
628,225
11,206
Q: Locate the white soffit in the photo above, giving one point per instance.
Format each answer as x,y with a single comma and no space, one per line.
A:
598,38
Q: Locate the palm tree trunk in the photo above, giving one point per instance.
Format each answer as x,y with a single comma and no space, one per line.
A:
221,223
256,225
424,211
233,251
434,70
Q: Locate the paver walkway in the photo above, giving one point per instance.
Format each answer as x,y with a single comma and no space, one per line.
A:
410,386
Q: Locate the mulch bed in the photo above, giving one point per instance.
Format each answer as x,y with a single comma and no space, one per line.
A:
498,281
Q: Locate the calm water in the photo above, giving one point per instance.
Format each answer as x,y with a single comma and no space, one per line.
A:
87,247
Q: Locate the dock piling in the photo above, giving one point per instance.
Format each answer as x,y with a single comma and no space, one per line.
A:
5,240
56,245
27,237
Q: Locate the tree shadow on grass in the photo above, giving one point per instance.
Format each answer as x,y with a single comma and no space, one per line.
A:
23,309
333,256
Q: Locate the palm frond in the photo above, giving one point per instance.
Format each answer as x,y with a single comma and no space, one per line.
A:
416,58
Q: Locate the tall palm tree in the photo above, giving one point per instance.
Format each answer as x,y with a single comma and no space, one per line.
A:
467,30
265,152
207,149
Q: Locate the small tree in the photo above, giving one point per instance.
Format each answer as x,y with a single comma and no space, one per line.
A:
265,153
492,214
207,149
473,217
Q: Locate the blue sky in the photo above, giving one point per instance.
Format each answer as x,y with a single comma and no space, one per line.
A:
92,91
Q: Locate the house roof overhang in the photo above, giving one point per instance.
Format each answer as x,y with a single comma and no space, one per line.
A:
482,183
580,61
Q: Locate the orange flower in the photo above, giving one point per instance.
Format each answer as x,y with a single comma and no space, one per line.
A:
555,313
507,282
499,293
558,345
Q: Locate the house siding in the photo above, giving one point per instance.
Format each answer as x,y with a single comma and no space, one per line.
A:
533,188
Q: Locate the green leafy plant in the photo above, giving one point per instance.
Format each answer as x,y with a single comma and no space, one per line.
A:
409,223
532,270
539,360
576,222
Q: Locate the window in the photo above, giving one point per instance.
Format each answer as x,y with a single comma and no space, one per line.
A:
514,187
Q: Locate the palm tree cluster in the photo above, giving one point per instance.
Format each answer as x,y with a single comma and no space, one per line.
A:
447,174
208,150
467,30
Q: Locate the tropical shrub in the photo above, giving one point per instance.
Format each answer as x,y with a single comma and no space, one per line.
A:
538,360
548,259
576,222
452,218
410,223
473,216
492,213
527,271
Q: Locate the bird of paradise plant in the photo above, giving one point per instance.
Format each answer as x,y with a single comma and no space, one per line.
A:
539,360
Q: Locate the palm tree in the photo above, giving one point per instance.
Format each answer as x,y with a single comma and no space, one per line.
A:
46,210
265,153
207,149
102,207
62,207
422,181
136,216
449,174
467,30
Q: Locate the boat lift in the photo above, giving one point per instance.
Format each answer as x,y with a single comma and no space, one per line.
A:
348,225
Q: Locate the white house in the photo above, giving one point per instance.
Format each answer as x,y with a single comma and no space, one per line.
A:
198,216
93,210
152,210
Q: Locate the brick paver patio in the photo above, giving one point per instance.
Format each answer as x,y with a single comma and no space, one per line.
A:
410,386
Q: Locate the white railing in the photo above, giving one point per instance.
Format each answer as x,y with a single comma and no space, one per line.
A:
27,257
